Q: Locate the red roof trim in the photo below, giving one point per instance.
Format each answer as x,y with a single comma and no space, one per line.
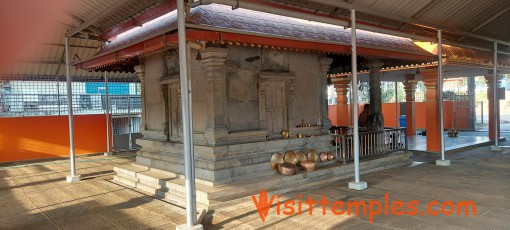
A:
215,36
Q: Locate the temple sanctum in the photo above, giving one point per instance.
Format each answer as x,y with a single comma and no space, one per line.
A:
255,76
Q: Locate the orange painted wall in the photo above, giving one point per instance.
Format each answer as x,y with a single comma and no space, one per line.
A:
388,110
389,116
27,138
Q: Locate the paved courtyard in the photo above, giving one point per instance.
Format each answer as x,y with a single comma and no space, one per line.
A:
37,197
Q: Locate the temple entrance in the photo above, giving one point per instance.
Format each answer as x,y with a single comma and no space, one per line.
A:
276,107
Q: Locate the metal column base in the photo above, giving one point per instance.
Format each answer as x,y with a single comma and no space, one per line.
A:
443,162
108,153
71,179
362,185
186,227
496,149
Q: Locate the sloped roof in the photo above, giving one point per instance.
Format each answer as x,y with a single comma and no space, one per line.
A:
262,24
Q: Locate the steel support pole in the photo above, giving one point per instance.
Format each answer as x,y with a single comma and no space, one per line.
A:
481,108
192,145
440,88
352,105
396,105
73,177
357,184
443,161
130,143
107,112
186,119
496,99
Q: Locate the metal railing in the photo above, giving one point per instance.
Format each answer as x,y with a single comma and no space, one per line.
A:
371,143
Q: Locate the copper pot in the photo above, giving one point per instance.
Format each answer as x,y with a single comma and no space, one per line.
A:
308,165
285,134
323,156
331,156
301,156
312,155
276,159
287,169
290,157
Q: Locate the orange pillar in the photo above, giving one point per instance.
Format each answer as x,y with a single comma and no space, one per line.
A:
342,91
432,107
410,89
490,97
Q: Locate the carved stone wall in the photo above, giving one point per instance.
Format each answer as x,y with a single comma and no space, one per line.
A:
155,119
275,60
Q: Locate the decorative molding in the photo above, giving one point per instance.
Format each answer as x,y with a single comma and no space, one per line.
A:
172,61
275,60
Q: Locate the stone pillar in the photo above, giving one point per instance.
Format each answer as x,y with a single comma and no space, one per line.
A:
410,89
323,78
490,97
342,91
140,73
377,122
216,100
432,109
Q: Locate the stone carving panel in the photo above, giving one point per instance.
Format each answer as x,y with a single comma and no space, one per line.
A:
172,62
274,60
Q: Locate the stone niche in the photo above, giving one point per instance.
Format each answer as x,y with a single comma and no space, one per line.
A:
241,96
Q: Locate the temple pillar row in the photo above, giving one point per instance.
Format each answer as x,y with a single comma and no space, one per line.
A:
432,100
377,122
216,90
323,78
140,73
342,86
489,79
410,89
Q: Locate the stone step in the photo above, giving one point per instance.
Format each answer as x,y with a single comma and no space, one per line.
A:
167,185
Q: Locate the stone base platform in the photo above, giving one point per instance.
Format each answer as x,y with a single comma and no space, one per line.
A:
170,186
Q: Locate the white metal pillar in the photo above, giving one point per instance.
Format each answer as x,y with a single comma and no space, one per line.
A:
443,161
130,138
356,184
495,81
396,106
73,177
191,213
107,112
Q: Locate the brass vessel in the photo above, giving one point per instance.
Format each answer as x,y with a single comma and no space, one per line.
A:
301,156
308,165
312,155
287,169
331,156
323,156
290,157
285,134
276,159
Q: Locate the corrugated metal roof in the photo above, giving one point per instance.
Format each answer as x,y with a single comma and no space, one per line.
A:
48,59
464,15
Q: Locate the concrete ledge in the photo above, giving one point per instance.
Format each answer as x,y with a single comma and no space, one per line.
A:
443,162
359,186
186,227
496,149
75,178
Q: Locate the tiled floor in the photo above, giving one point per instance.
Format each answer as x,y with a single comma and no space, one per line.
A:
477,174
37,197
465,138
